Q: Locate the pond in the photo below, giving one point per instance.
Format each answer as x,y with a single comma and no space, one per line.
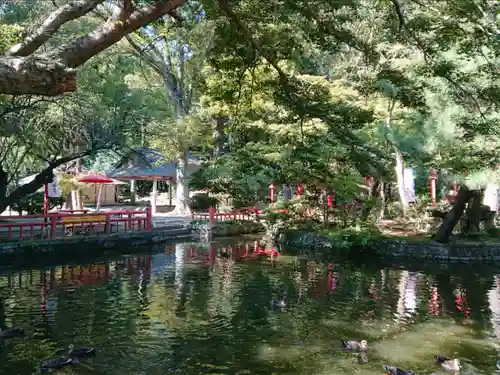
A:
184,311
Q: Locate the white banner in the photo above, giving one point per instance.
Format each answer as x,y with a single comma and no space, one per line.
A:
409,182
53,189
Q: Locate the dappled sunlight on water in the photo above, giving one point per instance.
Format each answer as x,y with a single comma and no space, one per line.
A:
188,311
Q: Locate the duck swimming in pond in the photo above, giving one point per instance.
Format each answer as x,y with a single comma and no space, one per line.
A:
223,253
355,345
54,363
11,332
448,364
80,352
280,303
390,370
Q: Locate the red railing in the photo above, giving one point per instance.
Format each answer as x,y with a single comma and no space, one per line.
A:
40,216
65,224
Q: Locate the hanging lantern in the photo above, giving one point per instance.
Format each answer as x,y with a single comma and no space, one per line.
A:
330,200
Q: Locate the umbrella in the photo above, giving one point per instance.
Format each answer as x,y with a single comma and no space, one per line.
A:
96,179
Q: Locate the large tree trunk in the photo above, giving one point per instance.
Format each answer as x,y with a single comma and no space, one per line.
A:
182,189
218,134
400,179
26,71
452,218
383,201
474,213
368,206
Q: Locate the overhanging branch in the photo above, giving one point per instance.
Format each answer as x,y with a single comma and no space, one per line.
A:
25,71
42,32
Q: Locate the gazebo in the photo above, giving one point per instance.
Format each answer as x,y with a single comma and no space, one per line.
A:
146,164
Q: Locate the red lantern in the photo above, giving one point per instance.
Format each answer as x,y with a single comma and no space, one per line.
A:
300,190
330,201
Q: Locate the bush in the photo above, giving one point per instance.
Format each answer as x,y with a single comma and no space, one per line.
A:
202,202
359,235
33,204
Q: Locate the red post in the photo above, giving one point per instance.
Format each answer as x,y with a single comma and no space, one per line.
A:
432,179
149,219
272,193
211,216
300,190
211,255
45,201
330,200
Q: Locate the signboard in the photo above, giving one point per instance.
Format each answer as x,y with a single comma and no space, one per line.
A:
53,189
84,219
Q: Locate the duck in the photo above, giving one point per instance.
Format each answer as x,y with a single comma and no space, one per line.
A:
268,252
224,254
77,353
280,303
390,370
448,364
362,357
54,363
355,345
11,332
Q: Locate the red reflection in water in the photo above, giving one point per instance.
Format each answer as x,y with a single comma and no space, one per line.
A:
434,305
462,305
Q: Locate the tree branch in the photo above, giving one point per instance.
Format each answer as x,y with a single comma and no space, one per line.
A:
45,176
113,30
51,24
52,73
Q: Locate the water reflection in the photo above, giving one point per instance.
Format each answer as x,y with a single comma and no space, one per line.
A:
186,310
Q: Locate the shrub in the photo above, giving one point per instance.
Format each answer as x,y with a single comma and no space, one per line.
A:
33,204
359,235
202,202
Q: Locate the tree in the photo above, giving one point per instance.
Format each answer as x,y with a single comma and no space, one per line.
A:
44,134
177,60
27,68
471,35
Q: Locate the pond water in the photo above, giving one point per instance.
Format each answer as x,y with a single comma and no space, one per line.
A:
184,311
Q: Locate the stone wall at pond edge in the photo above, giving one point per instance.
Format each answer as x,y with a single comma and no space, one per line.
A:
428,251
97,243
231,228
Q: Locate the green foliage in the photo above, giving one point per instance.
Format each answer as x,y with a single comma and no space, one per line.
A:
360,235
9,35
33,204
202,202
321,95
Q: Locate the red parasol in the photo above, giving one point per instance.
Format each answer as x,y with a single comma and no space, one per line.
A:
96,179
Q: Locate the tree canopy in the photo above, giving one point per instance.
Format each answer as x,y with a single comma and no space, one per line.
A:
291,92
